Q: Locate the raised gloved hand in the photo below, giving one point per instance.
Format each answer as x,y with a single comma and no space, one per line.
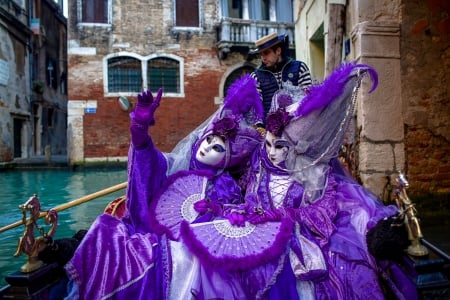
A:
205,206
142,117
271,215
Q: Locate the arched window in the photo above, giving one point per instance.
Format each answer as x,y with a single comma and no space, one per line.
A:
128,73
164,72
124,74
236,74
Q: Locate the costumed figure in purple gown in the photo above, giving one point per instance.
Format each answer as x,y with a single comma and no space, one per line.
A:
317,249
132,257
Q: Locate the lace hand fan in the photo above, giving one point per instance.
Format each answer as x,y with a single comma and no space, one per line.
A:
176,202
218,243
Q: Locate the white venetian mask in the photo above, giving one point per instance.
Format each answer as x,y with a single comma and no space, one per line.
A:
212,150
277,148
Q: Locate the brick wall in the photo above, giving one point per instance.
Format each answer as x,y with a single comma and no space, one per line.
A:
106,133
144,28
425,93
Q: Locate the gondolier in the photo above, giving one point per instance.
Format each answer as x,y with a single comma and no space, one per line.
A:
277,67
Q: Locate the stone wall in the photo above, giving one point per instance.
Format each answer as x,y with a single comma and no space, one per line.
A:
404,124
374,30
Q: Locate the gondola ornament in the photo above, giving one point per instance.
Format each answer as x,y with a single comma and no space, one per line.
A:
409,213
28,243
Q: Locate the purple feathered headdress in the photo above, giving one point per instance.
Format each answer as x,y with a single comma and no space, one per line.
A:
226,127
243,99
324,115
242,109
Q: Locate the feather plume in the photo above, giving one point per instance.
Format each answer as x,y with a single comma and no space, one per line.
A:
323,94
243,97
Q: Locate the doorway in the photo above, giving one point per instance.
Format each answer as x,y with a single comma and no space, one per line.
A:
17,136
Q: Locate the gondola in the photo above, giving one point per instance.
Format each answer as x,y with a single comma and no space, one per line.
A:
425,265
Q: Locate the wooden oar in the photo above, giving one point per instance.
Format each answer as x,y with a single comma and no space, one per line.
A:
72,203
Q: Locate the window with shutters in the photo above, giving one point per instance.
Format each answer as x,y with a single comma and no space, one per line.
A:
94,11
187,13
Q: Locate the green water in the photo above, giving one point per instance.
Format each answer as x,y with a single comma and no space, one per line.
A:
53,188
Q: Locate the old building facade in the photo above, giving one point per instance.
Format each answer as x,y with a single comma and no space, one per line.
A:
193,49
33,81
405,124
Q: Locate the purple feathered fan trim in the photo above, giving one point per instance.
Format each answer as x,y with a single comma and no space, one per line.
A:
156,225
233,263
323,94
243,97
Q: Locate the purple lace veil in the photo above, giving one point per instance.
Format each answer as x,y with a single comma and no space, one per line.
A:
318,126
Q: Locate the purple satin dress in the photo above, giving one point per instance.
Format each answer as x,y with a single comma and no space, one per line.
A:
327,257
130,259
123,259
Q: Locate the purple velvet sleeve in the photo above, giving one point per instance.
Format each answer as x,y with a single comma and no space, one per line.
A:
140,138
111,262
146,174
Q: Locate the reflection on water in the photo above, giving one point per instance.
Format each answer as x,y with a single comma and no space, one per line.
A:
53,188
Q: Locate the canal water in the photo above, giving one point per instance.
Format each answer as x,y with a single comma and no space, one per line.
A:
53,188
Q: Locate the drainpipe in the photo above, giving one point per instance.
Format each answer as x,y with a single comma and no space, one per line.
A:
336,23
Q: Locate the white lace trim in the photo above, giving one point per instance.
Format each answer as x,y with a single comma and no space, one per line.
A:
187,208
228,230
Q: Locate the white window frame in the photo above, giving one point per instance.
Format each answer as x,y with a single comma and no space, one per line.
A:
80,17
180,61
184,28
144,61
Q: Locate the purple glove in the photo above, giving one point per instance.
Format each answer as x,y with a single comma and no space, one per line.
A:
205,206
272,215
236,219
143,117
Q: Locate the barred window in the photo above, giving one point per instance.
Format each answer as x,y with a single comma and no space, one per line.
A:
164,72
128,73
124,74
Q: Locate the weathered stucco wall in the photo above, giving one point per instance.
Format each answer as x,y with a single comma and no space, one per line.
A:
14,93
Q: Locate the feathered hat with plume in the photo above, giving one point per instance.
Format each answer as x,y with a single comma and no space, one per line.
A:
235,121
321,120
323,116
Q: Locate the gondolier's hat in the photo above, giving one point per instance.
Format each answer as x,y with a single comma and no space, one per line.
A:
268,41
